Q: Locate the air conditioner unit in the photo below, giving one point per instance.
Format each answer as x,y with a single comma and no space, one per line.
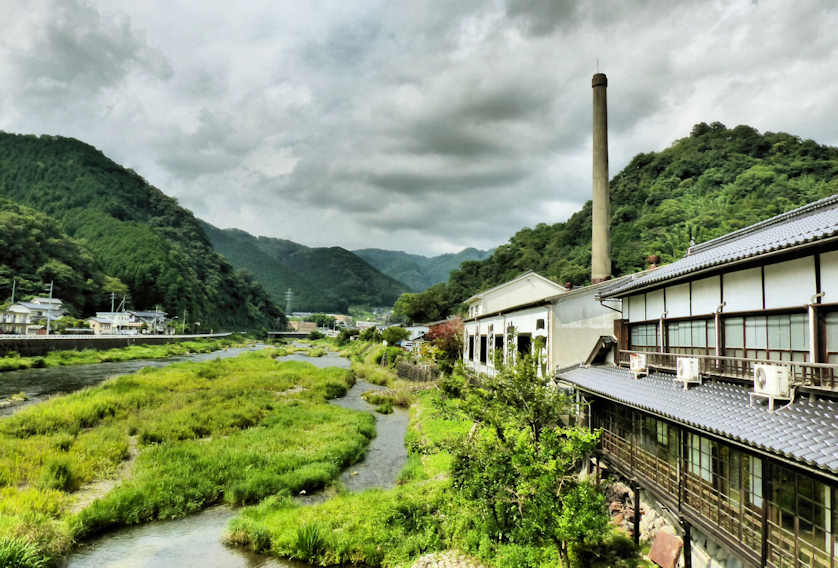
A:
772,380
637,364
687,371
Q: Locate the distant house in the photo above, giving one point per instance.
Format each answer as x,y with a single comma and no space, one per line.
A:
23,317
303,326
155,321
112,323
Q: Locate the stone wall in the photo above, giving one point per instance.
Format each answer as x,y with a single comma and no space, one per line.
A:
33,346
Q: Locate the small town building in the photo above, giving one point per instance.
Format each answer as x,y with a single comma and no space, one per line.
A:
536,316
303,326
25,318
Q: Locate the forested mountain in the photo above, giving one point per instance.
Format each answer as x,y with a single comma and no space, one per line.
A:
715,181
327,279
34,251
134,232
417,271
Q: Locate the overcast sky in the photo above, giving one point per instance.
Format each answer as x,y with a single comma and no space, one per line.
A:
420,126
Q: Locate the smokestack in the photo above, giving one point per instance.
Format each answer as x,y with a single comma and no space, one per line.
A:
601,238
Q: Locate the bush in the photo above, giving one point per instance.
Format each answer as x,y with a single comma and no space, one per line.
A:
311,541
315,335
385,408
453,384
58,474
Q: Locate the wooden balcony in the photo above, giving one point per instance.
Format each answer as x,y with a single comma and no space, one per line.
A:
813,376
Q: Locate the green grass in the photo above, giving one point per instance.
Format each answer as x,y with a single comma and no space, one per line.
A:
13,361
393,527
234,430
374,528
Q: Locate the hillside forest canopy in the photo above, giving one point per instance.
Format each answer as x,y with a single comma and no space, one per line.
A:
715,181
120,226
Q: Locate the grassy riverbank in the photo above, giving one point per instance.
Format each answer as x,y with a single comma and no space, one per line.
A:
92,356
424,513
376,527
173,441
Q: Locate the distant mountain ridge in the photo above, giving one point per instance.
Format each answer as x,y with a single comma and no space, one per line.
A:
323,279
132,231
417,271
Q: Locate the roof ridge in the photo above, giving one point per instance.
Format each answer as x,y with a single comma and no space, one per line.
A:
782,217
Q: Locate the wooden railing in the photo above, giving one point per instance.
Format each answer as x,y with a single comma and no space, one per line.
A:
813,375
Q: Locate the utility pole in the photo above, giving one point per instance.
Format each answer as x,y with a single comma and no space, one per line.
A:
185,325
49,306
113,297
14,283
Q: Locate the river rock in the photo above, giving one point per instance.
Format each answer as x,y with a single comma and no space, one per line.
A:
448,559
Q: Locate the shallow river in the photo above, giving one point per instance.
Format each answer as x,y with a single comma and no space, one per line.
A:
196,540
39,384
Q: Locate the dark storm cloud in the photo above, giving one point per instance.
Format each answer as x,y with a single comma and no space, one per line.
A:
424,126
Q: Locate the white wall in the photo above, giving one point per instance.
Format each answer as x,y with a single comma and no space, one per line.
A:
678,301
743,290
829,276
790,283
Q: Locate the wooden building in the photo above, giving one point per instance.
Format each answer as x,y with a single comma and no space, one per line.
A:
743,450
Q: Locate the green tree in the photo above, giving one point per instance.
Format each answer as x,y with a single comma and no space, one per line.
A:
393,335
519,465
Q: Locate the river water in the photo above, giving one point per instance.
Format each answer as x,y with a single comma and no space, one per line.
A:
39,384
197,540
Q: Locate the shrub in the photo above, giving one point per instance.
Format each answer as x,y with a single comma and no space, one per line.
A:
315,335
58,474
311,541
385,408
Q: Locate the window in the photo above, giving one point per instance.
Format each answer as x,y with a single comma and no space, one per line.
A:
539,324
471,348
691,337
831,320
700,457
644,337
782,337
524,344
800,510
483,349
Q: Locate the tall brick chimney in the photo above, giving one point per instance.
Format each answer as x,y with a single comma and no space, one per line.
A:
601,234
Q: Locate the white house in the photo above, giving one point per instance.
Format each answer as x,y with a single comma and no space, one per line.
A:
22,317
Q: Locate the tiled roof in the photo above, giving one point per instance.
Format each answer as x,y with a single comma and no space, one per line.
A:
805,432
809,223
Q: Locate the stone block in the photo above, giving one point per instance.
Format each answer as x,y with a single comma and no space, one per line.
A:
666,550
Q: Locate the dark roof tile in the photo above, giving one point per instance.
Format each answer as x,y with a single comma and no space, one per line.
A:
809,223
794,431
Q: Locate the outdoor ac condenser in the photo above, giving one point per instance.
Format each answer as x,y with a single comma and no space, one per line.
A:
687,371
637,364
771,380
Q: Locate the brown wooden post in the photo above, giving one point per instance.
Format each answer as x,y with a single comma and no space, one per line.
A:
688,545
636,488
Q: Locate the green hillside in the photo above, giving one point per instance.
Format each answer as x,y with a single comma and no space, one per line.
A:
34,251
323,279
715,181
134,231
417,271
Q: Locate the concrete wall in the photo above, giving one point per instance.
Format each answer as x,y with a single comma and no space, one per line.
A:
31,346
579,321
